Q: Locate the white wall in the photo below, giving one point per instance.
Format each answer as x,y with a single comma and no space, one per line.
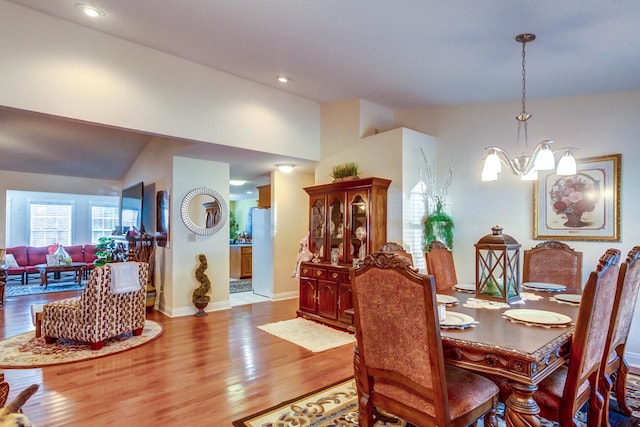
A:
392,154
597,125
186,246
290,211
56,67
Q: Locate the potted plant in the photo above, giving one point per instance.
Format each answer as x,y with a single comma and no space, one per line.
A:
201,295
437,224
233,227
345,171
105,250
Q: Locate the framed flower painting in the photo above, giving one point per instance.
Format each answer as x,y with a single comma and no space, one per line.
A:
584,206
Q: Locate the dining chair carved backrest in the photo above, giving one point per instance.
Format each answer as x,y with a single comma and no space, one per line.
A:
553,262
397,249
567,389
440,265
614,366
398,360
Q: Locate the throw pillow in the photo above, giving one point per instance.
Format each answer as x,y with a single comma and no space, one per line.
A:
11,261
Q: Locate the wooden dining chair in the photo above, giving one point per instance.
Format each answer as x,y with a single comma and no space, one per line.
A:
553,262
614,366
441,266
397,249
563,393
398,360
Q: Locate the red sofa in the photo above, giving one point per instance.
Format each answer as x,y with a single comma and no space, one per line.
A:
28,256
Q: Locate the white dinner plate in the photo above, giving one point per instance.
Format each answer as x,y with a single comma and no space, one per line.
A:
457,320
549,287
446,299
465,287
572,298
541,317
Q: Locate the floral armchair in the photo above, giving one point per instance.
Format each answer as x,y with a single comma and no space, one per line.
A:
98,313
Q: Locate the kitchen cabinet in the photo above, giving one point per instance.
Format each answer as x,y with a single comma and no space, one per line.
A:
240,261
264,196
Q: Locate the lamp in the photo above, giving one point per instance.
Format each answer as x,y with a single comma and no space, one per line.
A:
542,158
285,167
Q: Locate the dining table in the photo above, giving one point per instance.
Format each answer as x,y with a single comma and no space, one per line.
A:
524,351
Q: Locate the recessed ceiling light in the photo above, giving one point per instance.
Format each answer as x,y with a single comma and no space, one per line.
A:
237,182
285,167
90,11
283,79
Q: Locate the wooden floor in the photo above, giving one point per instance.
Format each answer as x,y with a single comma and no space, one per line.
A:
203,371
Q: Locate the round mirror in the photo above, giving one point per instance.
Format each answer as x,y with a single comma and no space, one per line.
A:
204,211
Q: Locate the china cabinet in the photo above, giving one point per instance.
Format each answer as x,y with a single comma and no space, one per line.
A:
347,221
350,216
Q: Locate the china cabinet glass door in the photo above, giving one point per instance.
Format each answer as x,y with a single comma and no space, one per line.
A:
358,226
336,226
316,246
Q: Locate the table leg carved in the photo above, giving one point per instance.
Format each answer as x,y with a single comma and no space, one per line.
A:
521,410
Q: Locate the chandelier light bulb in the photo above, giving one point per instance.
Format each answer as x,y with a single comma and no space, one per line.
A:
567,164
493,162
544,159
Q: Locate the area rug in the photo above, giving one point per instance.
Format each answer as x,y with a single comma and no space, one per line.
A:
311,335
16,290
336,405
242,285
27,351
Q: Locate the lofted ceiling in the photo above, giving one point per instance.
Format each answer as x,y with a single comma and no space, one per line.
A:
397,54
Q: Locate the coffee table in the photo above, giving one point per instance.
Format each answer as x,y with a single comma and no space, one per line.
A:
44,269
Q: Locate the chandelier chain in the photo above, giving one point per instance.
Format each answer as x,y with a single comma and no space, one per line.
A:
523,116
524,80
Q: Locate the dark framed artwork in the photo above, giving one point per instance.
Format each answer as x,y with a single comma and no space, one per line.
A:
584,206
162,215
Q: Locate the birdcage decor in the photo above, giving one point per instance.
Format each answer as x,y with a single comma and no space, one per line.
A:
498,267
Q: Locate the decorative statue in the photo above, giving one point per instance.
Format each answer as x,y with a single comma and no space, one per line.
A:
304,254
201,294
11,415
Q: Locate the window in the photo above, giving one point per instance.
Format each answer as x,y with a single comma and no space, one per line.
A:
413,235
103,221
129,218
50,223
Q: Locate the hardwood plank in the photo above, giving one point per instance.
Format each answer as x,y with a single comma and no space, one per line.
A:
203,371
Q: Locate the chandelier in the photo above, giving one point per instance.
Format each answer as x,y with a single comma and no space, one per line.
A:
541,158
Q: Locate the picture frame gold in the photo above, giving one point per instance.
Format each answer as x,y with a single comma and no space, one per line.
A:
585,206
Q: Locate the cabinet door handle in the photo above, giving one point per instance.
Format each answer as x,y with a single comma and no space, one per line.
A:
338,304
334,275
318,273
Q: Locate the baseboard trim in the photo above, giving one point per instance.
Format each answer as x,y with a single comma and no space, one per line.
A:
190,310
633,359
285,295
